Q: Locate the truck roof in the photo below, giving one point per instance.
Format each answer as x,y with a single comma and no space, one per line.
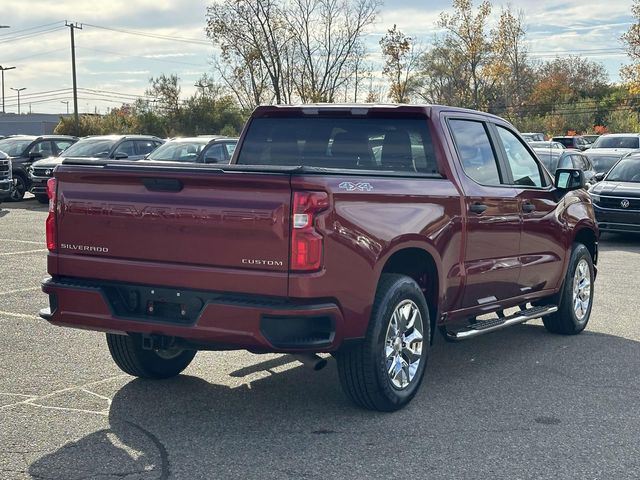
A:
362,109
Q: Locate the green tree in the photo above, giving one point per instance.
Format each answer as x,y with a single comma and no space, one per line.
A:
631,38
401,60
467,33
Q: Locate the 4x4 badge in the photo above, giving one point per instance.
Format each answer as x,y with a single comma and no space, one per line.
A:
624,203
352,187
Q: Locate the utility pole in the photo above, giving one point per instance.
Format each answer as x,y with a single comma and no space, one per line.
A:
66,102
72,26
3,69
19,90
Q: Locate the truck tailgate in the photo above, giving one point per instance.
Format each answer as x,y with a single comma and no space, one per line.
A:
236,225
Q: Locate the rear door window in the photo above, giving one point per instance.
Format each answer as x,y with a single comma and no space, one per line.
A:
145,146
475,151
44,148
62,145
387,144
215,154
126,147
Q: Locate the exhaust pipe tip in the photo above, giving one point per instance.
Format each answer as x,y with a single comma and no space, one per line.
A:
311,360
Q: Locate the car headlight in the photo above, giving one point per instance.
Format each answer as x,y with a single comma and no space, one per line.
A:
30,170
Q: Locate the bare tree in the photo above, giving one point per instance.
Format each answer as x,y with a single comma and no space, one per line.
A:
248,81
308,50
328,37
251,32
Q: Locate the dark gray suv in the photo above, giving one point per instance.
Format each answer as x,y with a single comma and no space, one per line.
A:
117,147
26,149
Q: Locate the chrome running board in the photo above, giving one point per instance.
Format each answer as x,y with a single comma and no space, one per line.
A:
485,326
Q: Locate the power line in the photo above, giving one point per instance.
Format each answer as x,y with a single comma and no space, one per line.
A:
34,34
152,35
30,28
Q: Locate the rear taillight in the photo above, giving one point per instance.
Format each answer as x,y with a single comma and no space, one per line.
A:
306,241
52,233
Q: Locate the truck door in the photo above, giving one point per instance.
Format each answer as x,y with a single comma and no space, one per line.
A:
541,245
491,263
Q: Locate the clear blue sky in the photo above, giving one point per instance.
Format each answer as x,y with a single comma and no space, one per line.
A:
114,66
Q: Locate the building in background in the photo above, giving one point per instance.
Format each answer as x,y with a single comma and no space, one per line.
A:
28,124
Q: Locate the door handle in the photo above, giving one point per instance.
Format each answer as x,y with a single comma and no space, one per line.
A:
162,184
478,207
528,207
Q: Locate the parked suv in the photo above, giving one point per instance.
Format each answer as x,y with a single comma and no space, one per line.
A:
24,150
5,177
202,149
574,141
117,147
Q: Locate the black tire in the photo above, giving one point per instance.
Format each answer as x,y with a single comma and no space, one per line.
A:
42,198
566,320
18,189
127,352
363,368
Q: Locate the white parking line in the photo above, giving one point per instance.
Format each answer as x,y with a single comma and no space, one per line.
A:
19,290
84,387
20,241
19,315
22,253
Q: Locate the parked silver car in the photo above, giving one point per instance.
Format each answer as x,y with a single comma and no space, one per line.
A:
609,148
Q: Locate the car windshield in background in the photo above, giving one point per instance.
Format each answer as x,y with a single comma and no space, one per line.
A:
388,144
627,170
554,145
617,142
179,150
90,148
14,146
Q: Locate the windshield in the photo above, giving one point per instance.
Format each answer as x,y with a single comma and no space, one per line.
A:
391,144
179,151
617,142
90,147
14,147
626,170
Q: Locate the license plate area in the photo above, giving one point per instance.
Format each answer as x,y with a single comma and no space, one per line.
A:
154,304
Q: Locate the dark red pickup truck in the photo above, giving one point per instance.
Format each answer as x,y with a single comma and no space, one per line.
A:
352,229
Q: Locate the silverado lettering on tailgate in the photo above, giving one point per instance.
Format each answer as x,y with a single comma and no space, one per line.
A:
152,212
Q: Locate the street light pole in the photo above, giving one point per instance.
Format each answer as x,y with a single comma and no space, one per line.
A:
66,102
3,69
19,90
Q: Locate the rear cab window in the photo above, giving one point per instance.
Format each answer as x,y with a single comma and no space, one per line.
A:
343,143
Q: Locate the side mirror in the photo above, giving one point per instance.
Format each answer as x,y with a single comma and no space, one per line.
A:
569,179
598,177
120,156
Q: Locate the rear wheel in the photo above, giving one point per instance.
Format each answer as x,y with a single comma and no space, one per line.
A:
576,296
127,352
385,371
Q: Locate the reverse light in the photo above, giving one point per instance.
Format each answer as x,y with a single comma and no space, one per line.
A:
306,241
51,228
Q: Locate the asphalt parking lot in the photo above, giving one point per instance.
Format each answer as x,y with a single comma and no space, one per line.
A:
516,404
